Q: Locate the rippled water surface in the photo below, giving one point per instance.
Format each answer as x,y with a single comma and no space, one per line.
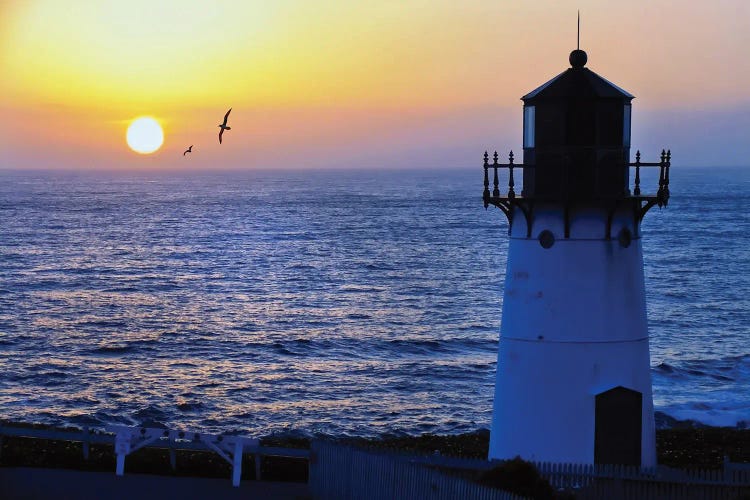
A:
327,302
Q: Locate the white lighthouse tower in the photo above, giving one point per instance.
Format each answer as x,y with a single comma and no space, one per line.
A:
573,374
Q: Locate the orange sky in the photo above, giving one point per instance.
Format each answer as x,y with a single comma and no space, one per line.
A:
342,84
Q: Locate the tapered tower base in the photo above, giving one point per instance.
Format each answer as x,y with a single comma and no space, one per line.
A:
573,376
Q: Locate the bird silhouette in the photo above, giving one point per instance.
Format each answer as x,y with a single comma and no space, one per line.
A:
188,150
223,126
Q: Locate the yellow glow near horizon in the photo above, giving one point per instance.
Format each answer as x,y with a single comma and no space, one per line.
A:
144,135
169,53
119,54
335,77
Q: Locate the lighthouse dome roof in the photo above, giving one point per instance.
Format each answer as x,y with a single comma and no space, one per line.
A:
577,82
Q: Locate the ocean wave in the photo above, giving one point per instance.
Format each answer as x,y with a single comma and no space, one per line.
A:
112,349
274,306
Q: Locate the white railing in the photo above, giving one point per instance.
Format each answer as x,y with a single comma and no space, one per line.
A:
130,439
127,440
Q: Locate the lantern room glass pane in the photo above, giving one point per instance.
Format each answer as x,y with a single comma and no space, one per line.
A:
529,113
626,126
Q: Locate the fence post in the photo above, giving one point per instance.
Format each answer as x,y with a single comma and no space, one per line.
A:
122,448
258,459
86,443
172,453
237,463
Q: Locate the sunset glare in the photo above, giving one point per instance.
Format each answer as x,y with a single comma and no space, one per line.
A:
330,83
145,135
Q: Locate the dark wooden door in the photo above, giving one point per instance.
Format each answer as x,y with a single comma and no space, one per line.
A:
617,438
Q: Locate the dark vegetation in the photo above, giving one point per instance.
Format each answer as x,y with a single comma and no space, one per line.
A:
519,477
686,448
471,445
702,448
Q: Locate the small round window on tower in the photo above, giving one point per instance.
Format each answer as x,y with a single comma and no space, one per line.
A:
546,238
625,238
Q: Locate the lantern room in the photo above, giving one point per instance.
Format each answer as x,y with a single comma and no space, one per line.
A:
576,137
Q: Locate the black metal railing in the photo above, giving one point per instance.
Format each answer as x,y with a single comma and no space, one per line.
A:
495,166
661,198
662,195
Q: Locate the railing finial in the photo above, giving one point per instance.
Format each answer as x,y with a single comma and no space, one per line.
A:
637,190
660,192
496,180
511,183
486,193
667,164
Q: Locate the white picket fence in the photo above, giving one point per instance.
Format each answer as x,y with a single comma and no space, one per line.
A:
346,472
635,483
566,475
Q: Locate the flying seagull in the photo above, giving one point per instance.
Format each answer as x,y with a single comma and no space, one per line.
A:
223,126
188,150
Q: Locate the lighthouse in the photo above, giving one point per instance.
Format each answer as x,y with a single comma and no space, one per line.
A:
573,373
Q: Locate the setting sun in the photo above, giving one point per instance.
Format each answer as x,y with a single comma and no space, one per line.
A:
145,135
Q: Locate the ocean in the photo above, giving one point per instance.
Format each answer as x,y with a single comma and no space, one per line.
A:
359,303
